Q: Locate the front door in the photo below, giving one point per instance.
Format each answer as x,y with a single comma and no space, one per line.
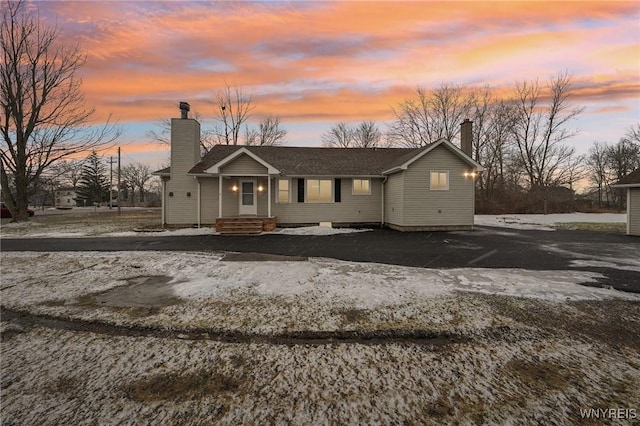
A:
248,199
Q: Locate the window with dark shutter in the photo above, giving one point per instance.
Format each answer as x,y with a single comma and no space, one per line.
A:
301,190
337,191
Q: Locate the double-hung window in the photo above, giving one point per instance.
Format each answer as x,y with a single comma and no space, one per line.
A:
284,186
361,187
439,180
319,190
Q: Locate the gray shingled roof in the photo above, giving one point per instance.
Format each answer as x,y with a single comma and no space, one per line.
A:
631,178
302,161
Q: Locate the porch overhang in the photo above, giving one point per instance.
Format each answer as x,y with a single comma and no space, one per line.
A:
215,169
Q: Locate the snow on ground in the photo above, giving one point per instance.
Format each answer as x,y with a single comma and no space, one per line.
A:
537,358
317,230
276,296
546,221
112,228
34,230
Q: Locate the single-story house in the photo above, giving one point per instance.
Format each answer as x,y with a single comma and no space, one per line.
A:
235,186
632,184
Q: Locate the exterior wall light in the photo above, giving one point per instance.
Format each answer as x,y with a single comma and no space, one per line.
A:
234,188
469,174
260,188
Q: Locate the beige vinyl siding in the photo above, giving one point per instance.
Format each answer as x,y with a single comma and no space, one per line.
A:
263,207
351,209
185,153
394,199
633,211
243,166
425,207
231,200
209,200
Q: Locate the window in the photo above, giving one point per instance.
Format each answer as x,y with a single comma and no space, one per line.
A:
283,190
439,180
362,187
319,190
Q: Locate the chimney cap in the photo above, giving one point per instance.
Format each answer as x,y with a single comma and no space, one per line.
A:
184,109
466,120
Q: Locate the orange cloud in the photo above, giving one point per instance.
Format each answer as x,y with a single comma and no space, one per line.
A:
330,61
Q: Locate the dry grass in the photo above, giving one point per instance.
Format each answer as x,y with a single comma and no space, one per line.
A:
181,387
90,221
617,228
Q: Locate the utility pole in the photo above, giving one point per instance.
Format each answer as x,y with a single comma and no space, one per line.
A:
111,182
119,211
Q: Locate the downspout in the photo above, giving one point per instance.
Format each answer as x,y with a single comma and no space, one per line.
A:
629,211
383,182
198,202
164,202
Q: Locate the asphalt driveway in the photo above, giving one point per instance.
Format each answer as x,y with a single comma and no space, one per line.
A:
615,256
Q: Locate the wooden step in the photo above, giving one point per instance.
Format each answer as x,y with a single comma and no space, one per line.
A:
240,226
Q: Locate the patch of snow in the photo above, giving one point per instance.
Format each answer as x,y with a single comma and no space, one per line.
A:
546,222
317,230
165,233
271,296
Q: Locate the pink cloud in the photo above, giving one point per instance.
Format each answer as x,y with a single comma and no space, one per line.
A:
330,61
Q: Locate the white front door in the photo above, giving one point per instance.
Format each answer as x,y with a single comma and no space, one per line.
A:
248,199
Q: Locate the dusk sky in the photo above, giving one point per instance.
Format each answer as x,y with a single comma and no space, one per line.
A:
317,63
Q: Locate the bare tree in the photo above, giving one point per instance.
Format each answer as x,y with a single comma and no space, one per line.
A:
494,148
622,159
540,128
269,133
339,136
68,172
135,176
633,134
44,115
364,135
162,134
428,117
233,109
367,135
596,162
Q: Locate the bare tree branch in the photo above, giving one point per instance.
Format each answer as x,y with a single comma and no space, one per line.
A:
339,136
269,133
233,109
540,128
428,117
44,114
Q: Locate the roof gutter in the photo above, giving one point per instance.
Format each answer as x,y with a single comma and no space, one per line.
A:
627,185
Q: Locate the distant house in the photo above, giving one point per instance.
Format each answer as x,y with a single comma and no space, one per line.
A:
632,184
65,198
429,188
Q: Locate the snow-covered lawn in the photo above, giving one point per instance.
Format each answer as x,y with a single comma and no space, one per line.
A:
108,224
508,346
546,221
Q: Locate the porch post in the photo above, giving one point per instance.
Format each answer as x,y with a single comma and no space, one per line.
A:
219,195
268,196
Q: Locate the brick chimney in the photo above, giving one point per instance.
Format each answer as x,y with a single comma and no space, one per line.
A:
466,136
